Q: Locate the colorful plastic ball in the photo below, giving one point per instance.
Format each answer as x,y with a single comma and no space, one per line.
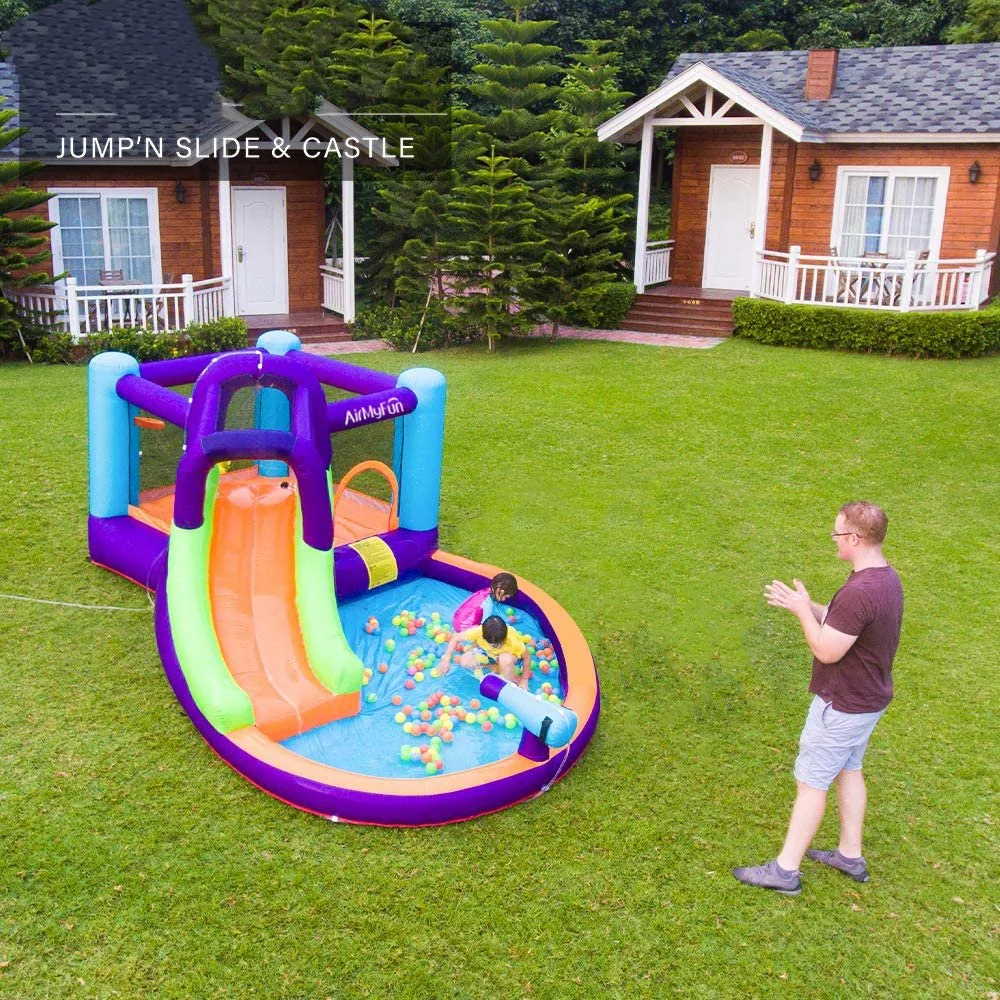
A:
383,668
487,726
474,703
409,685
447,736
445,700
404,753
510,721
390,644
430,767
435,616
408,728
418,676
397,699
372,698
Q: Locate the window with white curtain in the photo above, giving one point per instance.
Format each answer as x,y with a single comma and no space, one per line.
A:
109,229
889,211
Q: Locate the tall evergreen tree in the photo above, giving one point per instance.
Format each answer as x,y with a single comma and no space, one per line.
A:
23,244
582,244
588,95
492,218
514,94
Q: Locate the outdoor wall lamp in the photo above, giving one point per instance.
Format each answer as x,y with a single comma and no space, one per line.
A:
974,171
815,170
180,192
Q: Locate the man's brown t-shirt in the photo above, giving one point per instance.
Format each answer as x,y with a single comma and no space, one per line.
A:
870,606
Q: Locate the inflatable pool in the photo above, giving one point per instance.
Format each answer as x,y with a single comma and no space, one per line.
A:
300,620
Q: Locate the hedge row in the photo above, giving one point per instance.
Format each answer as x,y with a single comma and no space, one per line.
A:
918,334
228,333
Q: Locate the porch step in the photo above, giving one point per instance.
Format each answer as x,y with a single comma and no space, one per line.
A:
682,311
311,327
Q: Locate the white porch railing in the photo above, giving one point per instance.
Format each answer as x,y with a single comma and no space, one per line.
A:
333,286
85,309
658,261
900,285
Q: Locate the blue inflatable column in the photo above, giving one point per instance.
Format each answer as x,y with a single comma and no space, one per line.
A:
113,448
418,450
273,409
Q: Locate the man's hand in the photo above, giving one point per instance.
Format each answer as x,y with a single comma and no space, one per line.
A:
780,595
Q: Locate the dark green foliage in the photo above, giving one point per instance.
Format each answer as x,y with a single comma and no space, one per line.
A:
54,348
580,253
401,326
493,224
23,243
981,23
921,335
226,334
612,304
514,91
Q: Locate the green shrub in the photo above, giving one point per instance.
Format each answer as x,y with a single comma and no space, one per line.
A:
140,343
228,333
918,334
615,303
398,326
55,348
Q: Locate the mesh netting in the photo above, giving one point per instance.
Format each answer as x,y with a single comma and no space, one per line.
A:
161,449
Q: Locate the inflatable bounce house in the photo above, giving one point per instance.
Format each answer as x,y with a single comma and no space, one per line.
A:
301,620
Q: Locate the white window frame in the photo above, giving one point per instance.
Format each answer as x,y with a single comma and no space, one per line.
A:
941,174
151,194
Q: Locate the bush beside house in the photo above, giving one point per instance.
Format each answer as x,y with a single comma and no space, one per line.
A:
917,334
229,333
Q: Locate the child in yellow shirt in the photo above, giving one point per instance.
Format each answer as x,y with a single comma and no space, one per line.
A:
501,647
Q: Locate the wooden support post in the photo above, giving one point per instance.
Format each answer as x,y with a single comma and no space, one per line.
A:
72,308
347,233
763,194
642,206
792,274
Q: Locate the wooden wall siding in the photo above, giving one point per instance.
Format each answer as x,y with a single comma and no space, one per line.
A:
189,233
800,211
696,150
970,222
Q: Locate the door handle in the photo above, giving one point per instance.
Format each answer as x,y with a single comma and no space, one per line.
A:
239,254
753,229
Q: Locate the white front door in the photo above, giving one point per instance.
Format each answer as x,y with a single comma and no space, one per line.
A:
260,251
729,234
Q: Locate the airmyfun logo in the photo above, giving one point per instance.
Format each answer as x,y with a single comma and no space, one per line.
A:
369,414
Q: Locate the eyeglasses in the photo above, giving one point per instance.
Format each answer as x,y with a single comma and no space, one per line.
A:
837,534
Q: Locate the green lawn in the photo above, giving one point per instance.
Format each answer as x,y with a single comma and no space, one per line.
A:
652,492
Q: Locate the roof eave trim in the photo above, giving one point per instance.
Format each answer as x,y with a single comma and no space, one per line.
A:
884,138
622,123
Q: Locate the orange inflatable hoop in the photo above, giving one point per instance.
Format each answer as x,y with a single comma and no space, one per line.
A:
390,478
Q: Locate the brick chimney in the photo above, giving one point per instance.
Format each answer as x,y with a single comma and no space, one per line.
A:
821,74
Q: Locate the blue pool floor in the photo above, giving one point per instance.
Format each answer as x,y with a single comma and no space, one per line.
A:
373,742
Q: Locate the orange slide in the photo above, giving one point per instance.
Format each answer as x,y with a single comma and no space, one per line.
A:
252,593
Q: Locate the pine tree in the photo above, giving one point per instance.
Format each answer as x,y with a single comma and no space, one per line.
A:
514,94
492,216
23,245
588,95
365,60
582,243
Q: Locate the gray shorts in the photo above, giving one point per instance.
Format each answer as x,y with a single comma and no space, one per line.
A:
832,742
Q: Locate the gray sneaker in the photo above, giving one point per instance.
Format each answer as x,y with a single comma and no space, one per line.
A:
854,868
770,876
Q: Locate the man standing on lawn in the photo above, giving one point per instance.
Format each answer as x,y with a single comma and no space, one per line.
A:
853,641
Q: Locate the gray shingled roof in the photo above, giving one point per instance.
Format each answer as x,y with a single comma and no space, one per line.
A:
112,68
917,88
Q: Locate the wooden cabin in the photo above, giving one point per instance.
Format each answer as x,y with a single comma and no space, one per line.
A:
861,178
171,205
